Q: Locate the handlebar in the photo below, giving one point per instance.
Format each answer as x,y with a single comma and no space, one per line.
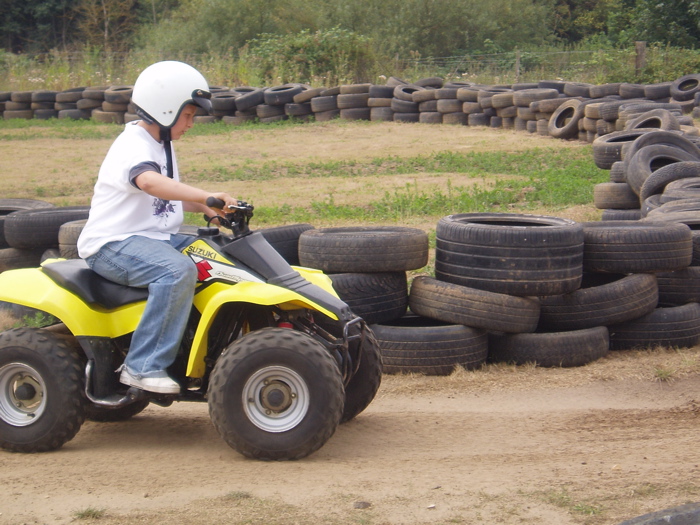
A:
236,217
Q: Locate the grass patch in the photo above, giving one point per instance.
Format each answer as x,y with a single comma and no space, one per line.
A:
89,513
534,179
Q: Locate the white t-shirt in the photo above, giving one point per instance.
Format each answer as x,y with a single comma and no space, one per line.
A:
119,209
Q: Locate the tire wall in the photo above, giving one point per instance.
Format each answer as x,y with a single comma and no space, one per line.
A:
565,110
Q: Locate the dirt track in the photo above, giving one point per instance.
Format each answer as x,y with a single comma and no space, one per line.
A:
421,453
594,445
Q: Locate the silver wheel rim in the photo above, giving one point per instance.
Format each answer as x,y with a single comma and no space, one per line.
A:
275,399
22,394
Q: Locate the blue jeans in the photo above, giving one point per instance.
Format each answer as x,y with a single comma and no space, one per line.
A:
170,277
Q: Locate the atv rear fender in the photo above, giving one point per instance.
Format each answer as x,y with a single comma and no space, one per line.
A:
33,288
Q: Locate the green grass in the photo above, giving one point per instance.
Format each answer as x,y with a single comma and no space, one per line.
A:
549,178
542,178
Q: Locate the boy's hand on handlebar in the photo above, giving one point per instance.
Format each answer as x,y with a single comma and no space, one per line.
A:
219,202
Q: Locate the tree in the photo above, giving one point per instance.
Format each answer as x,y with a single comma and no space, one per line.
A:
668,22
35,25
106,23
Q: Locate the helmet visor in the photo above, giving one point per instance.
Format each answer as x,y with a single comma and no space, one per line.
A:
202,99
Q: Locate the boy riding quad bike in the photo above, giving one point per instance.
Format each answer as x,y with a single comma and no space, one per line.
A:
278,357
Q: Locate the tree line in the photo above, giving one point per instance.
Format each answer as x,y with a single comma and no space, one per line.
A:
394,27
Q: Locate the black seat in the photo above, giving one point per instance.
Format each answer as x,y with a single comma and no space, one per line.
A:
76,276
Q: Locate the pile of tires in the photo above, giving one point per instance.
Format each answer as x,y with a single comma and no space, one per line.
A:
34,230
513,288
643,163
510,288
559,109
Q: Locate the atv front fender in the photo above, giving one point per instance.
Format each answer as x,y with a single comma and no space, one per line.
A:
33,288
211,298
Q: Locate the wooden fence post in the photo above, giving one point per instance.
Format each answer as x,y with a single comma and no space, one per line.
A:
640,59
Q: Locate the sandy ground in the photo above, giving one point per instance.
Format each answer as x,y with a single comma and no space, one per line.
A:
427,450
595,445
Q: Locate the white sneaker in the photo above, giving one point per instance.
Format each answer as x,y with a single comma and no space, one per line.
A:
161,384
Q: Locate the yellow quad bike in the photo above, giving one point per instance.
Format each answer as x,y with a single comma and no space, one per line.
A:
278,357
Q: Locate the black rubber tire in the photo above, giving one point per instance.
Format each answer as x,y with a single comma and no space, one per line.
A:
659,137
38,228
68,235
605,90
224,102
685,87
419,345
109,415
56,377
376,297
683,189
621,215
377,91
281,95
563,123
607,149
452,303
651,158
289,364
405,91
325,116
456,118
674,326
578,89
657,181
655,118
617,172
403,106
679,287
628,90
554,349
602,300
70,95
74,114
352,100
516,254
688,514
14,258
8,206
26,114
430,82
298,110
327,103
356,113
266,111
381,114
364,384
352,89
616,195
525,97
636,247
364,249
285,239
251,99
118,94
406,117
478,119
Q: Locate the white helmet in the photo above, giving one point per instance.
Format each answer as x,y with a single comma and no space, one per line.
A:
164,88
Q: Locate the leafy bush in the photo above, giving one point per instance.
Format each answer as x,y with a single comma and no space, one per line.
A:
327,58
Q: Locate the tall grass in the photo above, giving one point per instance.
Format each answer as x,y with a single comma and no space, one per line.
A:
258,67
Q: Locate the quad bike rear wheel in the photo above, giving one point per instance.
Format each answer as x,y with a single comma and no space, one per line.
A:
42,399
276,394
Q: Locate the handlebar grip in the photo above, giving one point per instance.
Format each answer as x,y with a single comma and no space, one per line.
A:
213,202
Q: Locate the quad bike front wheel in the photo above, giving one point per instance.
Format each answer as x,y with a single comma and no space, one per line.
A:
42,400
276,394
